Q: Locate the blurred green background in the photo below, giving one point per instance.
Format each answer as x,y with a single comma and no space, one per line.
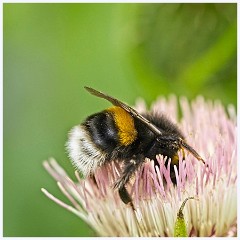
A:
128,50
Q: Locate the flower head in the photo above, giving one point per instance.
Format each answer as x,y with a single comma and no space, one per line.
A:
156,199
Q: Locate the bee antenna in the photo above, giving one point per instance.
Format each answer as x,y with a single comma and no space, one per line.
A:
191,150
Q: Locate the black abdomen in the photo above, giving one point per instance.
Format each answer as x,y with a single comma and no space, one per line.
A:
102,130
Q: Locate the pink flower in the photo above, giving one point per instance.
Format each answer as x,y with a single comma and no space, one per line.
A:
209,130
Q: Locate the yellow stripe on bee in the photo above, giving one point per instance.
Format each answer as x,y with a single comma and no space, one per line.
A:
125,125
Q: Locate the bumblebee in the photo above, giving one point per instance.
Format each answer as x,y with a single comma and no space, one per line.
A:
121,133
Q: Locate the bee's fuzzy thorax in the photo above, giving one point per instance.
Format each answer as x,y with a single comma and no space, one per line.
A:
127,132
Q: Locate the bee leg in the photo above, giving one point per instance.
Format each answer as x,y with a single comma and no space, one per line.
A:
128,171
172,171
183,153
124,195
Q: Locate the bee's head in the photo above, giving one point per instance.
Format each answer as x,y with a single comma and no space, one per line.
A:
169,141
172,143
169,145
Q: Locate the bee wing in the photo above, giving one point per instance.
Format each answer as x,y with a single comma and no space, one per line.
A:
127,108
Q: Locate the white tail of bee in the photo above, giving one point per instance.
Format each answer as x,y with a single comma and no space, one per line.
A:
84,154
